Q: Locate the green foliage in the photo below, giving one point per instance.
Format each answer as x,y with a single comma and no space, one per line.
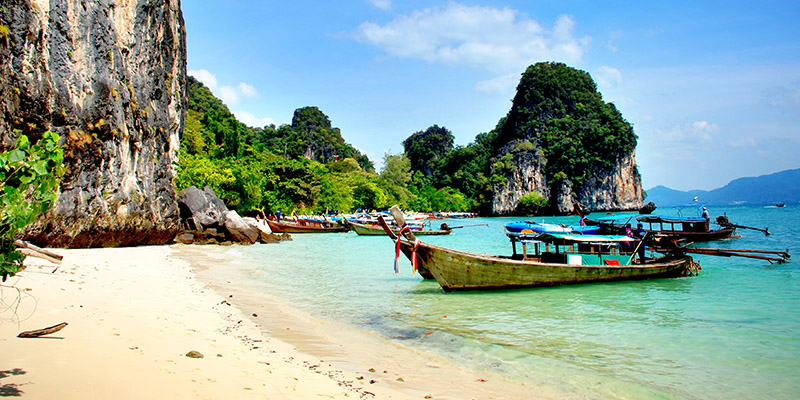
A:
532,200
3,31
211,128
200,171
425,149
557,116
345,166
30,175
396,169
531,203
560,108
309,136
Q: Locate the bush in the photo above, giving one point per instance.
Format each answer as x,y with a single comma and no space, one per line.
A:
531,203
29,176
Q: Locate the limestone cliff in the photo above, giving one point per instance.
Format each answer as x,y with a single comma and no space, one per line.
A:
561,140
109,76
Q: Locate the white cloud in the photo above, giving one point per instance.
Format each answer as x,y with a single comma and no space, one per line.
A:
231,95
608,77
685,135
744,142
208,79
500,84
227,94
251,120
247,90
492,39
704,129
384,5
704,126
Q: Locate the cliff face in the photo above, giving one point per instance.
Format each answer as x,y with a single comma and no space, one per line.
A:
562,140
617,189
110,78
526,176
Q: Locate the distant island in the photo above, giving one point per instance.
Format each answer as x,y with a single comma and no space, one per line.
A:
780,187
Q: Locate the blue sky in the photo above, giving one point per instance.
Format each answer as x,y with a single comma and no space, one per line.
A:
711,88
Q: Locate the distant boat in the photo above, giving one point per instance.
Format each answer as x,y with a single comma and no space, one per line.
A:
305,226
376,230
780,204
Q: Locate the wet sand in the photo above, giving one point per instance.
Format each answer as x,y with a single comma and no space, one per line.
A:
134,314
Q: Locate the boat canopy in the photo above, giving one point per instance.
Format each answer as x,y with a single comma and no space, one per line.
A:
604,239
669,220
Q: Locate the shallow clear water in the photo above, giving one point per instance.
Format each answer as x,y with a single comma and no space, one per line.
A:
732,331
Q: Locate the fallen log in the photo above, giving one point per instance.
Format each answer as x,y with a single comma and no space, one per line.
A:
43,331
30,246
33,253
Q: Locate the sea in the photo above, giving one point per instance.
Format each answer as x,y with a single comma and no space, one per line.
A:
733,331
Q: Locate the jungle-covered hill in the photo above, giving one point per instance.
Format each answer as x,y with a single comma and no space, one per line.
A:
560,141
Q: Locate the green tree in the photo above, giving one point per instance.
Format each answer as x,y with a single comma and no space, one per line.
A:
396,169
30,175
424,149
559,109
531,203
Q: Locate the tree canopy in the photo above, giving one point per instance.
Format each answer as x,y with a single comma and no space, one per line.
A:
557,114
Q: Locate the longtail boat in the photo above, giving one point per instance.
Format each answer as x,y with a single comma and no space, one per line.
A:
542,227
376,230
687,229
305,226
456,270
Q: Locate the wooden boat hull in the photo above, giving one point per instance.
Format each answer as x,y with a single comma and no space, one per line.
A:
461,271
365,230
423,270
285,227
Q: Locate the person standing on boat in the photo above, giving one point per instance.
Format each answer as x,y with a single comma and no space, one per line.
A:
640,233
278,215
705,214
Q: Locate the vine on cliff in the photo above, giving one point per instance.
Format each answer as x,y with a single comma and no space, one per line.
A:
30,175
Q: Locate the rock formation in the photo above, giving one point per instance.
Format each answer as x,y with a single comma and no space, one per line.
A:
110,78
561,140
206,220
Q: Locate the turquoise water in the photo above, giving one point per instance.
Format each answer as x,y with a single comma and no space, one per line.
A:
732,331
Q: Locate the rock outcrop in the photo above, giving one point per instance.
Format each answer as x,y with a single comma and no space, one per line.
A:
206,220
110,78
619,188
525,177
562,141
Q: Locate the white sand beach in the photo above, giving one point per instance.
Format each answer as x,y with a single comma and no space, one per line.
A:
134,314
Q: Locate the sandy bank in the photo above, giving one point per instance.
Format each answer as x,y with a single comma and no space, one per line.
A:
134,313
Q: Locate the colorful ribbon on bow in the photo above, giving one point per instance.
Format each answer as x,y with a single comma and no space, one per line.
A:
414,258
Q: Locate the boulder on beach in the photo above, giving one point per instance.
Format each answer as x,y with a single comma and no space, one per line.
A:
206,219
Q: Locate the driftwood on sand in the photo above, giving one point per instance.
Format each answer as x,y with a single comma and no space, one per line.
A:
43,331
30,249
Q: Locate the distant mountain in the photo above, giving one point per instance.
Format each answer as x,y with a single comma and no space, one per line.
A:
780,187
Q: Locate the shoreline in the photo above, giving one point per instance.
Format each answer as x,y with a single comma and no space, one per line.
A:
134,314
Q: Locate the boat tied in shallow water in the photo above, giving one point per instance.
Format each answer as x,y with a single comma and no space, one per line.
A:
606,260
